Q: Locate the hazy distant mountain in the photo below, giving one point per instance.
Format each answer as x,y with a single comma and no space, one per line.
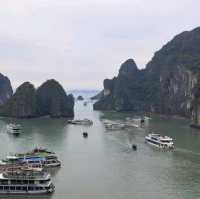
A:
86,93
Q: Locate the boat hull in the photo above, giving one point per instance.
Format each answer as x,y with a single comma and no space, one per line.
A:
27,192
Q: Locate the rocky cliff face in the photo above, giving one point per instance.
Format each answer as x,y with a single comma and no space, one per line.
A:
5,89
22,104
165,86
124,92
52,100
49,99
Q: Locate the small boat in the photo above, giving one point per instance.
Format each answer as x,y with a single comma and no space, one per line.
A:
81,122
85,134
134,147
25,181
14,129
163,142
115,126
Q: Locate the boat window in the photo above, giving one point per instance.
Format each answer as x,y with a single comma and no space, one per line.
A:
30,188
12,188
154,142
1,187
6,187
19,182
25,181
24,188
18,188
13,182
4,182
166,141
31,181
42,181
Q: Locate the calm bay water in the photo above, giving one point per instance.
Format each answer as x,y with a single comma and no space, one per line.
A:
103,166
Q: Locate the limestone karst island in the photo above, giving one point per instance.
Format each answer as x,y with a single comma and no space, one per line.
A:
99,99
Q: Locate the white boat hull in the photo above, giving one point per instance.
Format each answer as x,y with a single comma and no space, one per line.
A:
27,192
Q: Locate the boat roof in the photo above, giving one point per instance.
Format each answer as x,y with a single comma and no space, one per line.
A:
42,154
33,158
25,175
160,136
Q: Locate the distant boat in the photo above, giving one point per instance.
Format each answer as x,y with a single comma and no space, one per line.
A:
137,122
81,122
14,129
163,142
115,126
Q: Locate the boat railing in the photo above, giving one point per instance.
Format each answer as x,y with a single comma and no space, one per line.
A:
25,175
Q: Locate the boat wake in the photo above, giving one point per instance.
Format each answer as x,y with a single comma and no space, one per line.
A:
186,151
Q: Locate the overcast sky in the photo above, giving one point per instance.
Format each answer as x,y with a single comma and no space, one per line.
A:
82,42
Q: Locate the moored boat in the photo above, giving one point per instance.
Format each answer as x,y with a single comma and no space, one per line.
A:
118,124
163,142
25,181
81,122
35,158
35,161
115,126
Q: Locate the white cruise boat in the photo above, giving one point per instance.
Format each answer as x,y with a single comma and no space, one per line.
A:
33,161
163,142
14,129
27,181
